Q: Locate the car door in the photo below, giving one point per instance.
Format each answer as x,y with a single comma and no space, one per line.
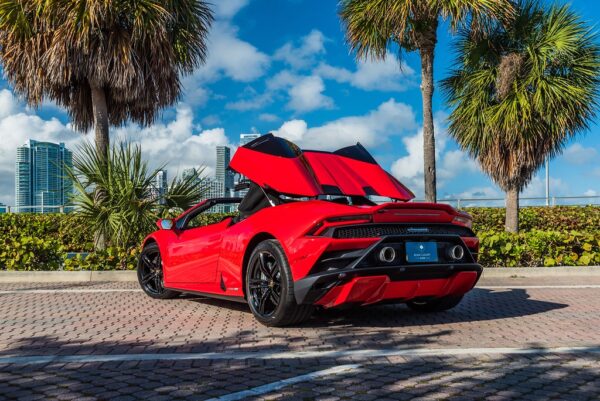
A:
194,255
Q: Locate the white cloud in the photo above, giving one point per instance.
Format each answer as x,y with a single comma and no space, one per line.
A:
386,75
8,104
449,163
293,130
268,117
251,100
372,129
305,92
578,154
590,192
228,8
174,143
307,95
228,56
537,188
303,55
211,119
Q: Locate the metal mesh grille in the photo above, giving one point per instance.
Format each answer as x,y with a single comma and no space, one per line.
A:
379,230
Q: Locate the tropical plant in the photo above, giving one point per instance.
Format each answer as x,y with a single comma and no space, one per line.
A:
106,62
373,26
522,92
130,204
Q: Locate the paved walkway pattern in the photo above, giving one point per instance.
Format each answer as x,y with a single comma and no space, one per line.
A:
105,341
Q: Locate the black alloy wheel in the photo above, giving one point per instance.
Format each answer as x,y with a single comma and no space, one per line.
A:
265,284
270,287
150,273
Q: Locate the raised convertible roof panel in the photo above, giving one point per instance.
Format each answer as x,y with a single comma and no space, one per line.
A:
278,164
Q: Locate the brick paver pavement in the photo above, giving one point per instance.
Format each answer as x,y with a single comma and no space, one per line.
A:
72,319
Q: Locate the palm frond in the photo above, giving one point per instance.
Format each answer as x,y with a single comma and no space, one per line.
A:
129,203
135,50
520,93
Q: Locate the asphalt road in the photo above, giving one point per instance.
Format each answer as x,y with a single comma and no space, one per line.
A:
520,339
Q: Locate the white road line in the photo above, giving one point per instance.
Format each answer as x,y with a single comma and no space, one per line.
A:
74,290
110,290
268,388
269,355
519,287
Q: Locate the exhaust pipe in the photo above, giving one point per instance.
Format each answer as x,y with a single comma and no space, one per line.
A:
457,252
387,254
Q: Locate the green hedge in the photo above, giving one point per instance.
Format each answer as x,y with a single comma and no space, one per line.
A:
551,236
539,248
556,218
44,242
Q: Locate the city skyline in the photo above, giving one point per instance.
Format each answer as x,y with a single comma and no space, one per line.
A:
41,180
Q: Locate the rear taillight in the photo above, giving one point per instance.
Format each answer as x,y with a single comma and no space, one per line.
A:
353,218
338,221
463,220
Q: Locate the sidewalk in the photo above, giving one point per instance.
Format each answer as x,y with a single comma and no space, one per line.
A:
512,274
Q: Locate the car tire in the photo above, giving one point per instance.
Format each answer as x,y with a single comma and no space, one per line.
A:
270,287
435,305
150,273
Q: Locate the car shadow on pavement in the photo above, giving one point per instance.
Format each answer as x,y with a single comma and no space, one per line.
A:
478,305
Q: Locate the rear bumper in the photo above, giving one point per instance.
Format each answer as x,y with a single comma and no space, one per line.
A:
390,283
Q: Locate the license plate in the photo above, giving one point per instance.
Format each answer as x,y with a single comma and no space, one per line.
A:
421,252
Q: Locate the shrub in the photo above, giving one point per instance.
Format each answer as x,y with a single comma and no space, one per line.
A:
30,253
112,258
557,236
539,248
559,218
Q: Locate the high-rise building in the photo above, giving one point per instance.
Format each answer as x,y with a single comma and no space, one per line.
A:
160,186
244,139
189,172
247,138
214,189
41,176
222,173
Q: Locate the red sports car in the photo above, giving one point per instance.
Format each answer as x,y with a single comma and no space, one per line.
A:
308,235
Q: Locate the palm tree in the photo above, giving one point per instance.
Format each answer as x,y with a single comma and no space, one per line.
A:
521,93
373,26
130,203
105,61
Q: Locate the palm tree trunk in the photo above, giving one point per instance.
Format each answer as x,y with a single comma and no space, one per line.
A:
512,210
428,130
101,138
100,111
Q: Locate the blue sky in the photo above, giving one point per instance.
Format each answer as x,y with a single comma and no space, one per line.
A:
282,66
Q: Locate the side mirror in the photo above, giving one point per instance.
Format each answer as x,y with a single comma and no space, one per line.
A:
165,224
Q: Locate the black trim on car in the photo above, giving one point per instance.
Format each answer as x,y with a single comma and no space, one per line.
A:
274,145
336,269
376,230
223,297
183,220
356,152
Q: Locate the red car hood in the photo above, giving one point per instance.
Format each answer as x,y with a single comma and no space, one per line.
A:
275,163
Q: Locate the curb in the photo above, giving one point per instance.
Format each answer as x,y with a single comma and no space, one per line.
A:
65,276
524,272
131,276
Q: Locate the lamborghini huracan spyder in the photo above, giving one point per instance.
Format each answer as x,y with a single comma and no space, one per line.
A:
308,235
